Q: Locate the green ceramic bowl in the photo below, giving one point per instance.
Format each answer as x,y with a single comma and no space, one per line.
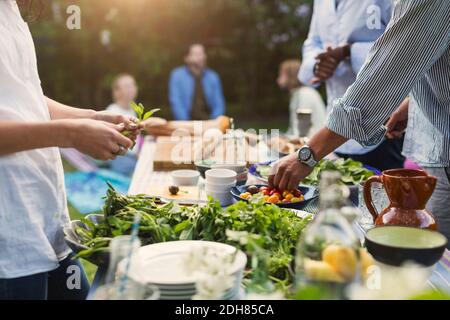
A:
395,245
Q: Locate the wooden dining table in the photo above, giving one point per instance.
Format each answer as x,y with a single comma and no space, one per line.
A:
145,177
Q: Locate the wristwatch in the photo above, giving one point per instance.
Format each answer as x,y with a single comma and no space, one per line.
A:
306,156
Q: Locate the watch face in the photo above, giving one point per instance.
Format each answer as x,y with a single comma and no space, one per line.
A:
304,154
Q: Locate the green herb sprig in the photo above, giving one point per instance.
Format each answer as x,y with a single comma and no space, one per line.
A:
141,116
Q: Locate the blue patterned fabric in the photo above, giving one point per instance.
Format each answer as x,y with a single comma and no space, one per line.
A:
85,190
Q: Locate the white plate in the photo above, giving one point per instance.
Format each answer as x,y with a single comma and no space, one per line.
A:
236,294
228,295
190,286
162,263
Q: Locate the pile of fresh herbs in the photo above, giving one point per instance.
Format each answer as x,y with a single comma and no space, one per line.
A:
269,233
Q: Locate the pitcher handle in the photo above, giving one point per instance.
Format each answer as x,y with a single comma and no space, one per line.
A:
368,195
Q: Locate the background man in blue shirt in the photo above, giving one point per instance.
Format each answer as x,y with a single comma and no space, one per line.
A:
195,91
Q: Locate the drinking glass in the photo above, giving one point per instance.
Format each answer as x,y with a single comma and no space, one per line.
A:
380,201
132,290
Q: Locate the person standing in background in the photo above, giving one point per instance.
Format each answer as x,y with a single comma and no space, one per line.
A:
302,98
341,34
195,91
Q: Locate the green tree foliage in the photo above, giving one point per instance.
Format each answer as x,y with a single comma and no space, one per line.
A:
246,40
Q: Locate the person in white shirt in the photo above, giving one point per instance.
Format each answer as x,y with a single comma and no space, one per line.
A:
34,259
302,98
124,92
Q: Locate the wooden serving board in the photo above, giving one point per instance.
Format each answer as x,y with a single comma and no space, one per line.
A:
186,193
174,153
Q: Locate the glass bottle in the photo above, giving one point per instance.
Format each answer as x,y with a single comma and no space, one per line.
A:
125,260
328,250
120,248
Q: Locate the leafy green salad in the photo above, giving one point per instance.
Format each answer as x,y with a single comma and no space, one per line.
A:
353,172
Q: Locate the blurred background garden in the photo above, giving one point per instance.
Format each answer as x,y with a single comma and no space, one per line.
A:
245,41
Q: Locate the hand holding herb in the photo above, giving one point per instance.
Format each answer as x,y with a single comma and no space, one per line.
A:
141,116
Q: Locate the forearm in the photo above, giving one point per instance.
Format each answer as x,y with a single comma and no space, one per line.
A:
325,142
61,111
17,136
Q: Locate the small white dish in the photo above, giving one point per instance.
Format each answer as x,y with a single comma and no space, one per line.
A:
220,176
185,177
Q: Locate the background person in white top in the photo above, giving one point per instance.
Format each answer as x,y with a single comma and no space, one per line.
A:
124,91
34,258
301,98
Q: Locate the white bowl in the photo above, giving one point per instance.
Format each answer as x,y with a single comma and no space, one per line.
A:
220,176
185,177
224,198
238,167
219,187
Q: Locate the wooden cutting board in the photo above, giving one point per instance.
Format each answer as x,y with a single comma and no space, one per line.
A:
174,153
186,193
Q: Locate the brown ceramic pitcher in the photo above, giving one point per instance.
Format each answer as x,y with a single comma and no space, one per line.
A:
408,192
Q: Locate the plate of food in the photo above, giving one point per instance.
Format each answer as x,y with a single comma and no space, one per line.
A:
295,199
353,173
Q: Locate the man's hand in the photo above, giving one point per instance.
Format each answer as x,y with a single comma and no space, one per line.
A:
338,53
98,139
288,172
130,123
328,61
398,121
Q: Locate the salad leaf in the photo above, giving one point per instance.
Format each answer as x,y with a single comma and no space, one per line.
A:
353,172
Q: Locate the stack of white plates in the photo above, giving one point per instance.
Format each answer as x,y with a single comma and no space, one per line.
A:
161,265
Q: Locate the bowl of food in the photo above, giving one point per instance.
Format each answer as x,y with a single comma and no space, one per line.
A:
203,165
295,199
395,245
353,173
77,234
240,168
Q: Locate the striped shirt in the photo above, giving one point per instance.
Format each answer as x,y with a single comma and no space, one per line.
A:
411,57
